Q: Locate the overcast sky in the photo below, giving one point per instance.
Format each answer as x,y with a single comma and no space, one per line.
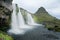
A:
52,6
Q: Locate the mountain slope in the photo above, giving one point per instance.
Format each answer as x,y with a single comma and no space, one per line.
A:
42,16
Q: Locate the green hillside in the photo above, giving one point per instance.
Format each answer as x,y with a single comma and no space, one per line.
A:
50,22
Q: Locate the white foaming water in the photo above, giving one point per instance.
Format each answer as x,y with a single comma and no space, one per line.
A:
20,19
30,19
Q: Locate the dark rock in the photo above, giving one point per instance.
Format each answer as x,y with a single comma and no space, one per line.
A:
5,14
7,4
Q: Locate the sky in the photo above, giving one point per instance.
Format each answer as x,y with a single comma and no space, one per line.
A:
52,6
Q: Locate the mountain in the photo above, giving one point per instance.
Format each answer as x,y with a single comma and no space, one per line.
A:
50,22
41,10
43,15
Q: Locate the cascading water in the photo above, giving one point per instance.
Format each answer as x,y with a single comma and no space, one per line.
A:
21,22
14,24
18,25
30,19
20,19
14,18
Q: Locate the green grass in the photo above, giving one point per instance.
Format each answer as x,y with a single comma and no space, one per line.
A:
4,36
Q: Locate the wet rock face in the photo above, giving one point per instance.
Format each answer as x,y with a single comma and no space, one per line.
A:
5,14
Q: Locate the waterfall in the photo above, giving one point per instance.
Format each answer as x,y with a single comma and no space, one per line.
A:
20,19
14,18
21,22
30,20
18,25
14,22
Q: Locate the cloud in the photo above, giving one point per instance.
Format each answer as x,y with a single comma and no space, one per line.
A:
52,6
54,12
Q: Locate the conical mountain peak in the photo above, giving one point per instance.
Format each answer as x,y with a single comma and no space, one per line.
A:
41,10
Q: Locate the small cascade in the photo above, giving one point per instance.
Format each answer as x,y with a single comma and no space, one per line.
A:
20,19
14,18
30,20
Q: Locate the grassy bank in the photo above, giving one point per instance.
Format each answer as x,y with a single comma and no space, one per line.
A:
4,36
